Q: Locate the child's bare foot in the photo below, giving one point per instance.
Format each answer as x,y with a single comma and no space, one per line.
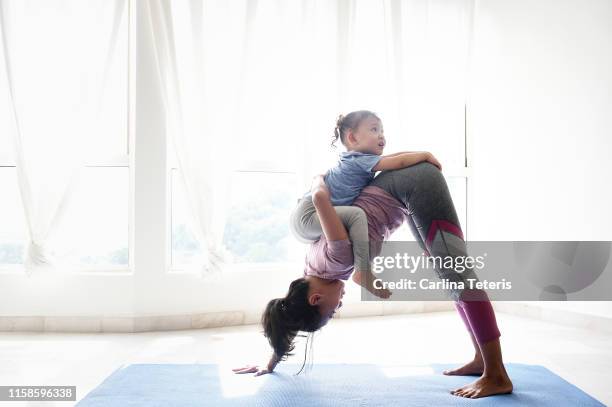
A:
473,368
485,386
367,282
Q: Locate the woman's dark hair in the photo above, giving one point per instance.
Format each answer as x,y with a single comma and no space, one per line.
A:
350,121
284,317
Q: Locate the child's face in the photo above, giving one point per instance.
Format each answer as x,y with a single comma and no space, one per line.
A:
369,137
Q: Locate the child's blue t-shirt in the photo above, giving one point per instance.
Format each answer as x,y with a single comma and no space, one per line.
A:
348,178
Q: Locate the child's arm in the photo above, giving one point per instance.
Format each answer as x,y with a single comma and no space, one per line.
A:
332,226
402,152
334,229
318,182
403,160
307,226
355,222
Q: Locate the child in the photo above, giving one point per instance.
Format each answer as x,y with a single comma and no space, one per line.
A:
362,134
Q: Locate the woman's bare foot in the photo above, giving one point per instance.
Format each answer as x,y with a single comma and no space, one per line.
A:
485,386
473,368
367,282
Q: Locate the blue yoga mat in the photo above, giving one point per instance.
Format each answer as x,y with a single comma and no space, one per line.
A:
332,385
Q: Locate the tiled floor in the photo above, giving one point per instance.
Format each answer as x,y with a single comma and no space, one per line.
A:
583,357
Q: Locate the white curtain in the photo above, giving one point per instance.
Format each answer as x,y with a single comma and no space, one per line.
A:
203,109
259,84
406,60
54,61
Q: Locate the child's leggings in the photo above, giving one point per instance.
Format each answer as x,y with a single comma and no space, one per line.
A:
306,227
434,224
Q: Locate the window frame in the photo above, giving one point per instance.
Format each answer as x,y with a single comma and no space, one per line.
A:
263,167
115,160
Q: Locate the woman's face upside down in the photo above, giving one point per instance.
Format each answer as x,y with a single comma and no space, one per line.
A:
327,294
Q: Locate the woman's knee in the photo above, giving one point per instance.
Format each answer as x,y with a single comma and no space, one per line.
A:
426,168
420,173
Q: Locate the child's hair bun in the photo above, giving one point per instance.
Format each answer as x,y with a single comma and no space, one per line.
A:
350,121
339,121
337,130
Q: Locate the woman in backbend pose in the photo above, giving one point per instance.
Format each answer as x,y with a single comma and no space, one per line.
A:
362,135
418,195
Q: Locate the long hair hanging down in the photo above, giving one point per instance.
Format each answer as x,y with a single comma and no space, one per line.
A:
284,318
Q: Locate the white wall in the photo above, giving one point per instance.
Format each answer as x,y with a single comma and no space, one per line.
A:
540,124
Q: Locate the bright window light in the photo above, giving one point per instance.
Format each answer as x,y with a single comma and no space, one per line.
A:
94,234
257,229
52,80
13,233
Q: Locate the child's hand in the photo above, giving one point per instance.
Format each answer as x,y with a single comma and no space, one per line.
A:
434,161
251,369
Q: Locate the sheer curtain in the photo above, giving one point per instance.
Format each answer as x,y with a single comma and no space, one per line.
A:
54,59
259,83
200,58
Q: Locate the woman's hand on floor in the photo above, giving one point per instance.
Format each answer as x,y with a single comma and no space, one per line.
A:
251,369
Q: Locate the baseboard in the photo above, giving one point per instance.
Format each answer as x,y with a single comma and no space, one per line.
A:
559,316
93,324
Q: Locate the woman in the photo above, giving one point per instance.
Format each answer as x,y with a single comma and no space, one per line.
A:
420,196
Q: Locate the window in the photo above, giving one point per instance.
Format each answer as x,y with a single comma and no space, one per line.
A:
257,227
95,233
186,249
407,68
13,233
47,96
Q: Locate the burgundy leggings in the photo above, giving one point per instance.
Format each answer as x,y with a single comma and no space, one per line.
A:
479,318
